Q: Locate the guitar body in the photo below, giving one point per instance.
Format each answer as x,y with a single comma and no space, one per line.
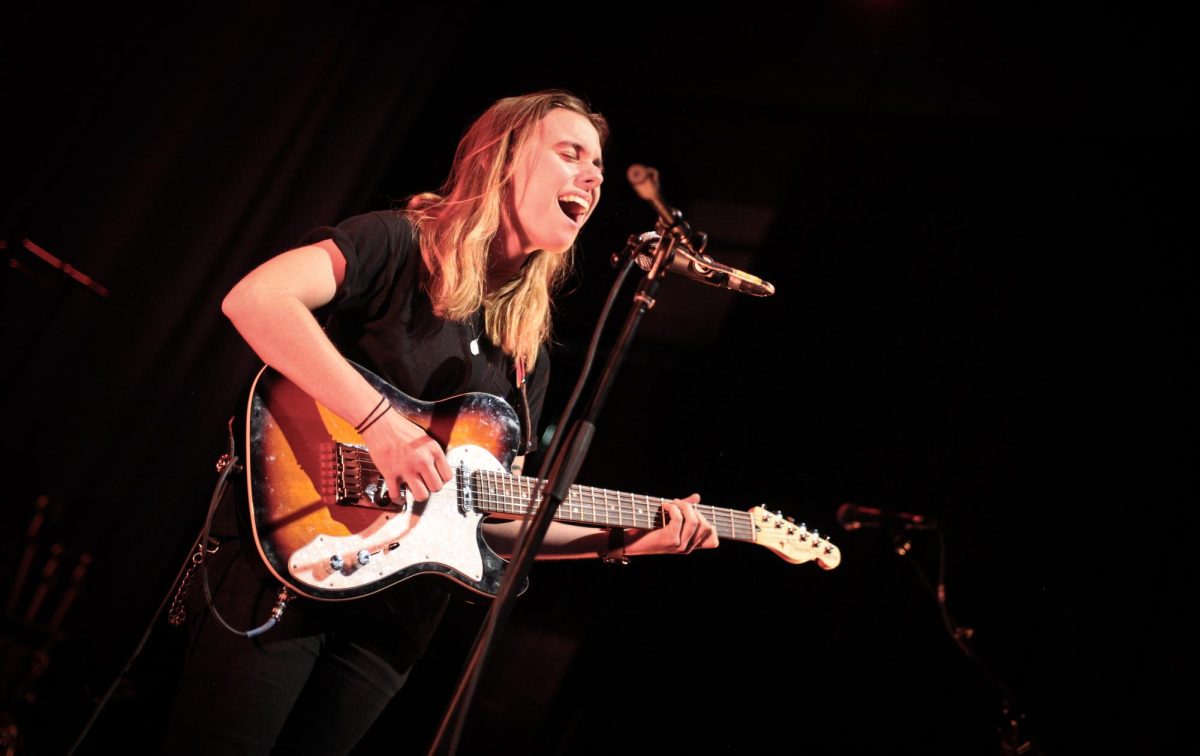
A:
315,511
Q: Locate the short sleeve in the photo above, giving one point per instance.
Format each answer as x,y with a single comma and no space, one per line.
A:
376,247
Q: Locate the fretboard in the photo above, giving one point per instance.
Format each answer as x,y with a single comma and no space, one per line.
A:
500,493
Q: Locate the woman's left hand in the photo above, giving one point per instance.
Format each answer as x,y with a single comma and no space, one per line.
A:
685,530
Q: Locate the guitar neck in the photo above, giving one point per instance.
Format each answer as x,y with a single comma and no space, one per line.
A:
500,493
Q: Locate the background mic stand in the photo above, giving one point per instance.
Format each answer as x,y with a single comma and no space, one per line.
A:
1012,740
563,468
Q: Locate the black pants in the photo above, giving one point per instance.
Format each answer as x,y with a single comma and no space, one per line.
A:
314,683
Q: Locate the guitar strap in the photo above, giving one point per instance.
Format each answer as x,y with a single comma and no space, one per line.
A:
528,442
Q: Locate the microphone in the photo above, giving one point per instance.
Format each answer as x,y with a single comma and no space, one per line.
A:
707,270
853,517
686,260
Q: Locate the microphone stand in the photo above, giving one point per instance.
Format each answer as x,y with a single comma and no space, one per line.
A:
1012,741
564,467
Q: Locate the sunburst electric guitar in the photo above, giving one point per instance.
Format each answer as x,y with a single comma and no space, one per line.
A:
328,529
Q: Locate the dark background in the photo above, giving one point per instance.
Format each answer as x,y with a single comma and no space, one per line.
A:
975,220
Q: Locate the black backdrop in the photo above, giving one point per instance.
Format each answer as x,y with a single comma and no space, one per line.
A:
985,313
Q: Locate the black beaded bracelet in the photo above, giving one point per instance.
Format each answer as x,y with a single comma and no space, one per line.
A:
371,417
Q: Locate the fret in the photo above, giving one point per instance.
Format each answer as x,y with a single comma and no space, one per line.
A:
592,498
654,512
651,508
510,494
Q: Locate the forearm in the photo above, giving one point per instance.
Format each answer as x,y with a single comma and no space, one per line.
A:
685,529
562,541
281,329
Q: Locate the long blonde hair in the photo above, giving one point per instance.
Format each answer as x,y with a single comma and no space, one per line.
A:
457,226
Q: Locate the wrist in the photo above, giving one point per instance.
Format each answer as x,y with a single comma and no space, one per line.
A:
374,415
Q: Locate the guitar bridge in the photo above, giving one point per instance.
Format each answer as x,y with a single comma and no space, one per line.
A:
357,482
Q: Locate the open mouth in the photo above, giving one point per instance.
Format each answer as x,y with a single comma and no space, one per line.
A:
574,207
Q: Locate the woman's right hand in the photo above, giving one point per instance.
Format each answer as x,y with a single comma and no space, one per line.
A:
406,455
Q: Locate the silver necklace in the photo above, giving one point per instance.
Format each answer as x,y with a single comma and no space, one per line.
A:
474,343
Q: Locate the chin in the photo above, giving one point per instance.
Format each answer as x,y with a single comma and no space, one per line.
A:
557,246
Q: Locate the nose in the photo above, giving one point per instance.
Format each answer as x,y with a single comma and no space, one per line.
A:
591,176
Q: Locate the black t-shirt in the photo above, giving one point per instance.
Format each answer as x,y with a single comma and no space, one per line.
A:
381,318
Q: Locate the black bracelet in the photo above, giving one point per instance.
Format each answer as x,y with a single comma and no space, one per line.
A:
371,417
616,547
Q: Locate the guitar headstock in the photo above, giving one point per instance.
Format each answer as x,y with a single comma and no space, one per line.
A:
793,543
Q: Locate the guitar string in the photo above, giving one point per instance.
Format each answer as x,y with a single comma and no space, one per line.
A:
631,513
628,510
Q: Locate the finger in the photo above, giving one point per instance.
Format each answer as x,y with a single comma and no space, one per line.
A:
689,527
706,534
432,478
705,530
673,525
711,541
434,463
443,465
420,492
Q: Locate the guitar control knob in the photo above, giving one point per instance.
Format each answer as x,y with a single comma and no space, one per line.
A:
364,556
336,563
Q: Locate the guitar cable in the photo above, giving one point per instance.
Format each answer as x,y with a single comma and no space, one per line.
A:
226,464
